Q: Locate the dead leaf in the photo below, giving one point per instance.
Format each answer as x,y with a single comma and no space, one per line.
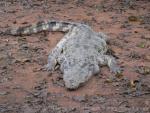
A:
133,18
145,70
119,75
141,45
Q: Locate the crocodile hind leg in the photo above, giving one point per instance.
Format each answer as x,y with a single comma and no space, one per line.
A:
110,62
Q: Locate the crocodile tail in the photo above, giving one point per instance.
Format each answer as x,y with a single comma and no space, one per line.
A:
41,26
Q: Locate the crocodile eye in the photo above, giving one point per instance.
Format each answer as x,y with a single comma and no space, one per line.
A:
99,50
62,51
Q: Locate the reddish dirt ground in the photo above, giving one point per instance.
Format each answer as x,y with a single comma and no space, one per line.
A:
25,88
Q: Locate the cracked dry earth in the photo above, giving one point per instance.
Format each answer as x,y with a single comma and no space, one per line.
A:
25,88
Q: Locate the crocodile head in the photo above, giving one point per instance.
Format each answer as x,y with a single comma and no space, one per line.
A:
76,75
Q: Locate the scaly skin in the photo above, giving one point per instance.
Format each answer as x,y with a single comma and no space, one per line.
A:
80,52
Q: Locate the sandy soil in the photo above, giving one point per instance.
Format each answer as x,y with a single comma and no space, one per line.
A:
25,88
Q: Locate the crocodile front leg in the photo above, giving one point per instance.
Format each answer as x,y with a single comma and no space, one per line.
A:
53,57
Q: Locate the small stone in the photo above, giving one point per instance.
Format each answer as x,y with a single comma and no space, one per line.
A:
110,79
4,93
79,98
147,57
